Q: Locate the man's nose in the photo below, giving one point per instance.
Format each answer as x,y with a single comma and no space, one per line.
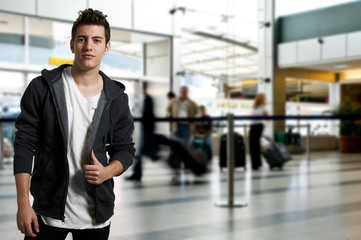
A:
88,46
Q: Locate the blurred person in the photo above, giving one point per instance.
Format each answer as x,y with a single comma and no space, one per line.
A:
170,96
148,144
182,107
203,131
8,127
259,109
70,117
8,133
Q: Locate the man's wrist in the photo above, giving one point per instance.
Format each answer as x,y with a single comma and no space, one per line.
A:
115,168
108,171
23,201
23,204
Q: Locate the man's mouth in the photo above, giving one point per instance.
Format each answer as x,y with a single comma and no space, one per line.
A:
88,56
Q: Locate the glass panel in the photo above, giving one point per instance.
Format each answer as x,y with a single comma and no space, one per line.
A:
11,38
11,86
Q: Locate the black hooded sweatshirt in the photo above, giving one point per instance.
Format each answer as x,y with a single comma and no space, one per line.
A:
42,134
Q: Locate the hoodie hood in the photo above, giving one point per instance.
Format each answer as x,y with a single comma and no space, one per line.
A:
112,89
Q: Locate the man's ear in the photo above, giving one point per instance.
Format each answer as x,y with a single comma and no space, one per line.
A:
72,45
107,48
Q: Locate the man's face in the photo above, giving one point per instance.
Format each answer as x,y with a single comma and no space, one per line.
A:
89,46
183,92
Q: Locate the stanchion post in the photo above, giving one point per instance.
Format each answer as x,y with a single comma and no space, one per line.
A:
308,144
230,159
1,145
230,167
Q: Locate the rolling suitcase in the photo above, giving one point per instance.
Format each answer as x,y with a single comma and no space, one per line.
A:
196,161
276,155
239,151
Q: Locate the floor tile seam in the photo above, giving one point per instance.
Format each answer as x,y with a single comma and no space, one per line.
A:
241,179
168,201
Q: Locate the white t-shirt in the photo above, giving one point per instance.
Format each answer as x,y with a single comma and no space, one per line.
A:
260,111
183,110
79,207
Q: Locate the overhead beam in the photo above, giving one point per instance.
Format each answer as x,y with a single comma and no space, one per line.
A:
235,76
194,41
205,50
230,67
223,39
208,60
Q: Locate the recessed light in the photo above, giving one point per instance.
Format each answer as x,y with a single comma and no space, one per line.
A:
341,66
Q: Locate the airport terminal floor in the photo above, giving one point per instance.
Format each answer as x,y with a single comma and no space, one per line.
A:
317,201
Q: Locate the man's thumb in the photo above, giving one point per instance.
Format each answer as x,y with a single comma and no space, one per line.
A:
95,160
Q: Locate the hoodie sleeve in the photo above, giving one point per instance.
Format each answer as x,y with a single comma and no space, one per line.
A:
122,146
27,129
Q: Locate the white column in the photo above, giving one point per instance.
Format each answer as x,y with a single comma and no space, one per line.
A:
176,64
26,51
266,57
26,41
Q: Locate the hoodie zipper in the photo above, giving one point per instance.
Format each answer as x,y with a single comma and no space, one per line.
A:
62,215
95,192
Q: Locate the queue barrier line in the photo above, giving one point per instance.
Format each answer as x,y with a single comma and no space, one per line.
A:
273,117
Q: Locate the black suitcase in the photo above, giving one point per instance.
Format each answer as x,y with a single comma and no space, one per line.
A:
196,161
276,155
239,151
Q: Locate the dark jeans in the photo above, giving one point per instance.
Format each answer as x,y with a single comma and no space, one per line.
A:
183,133
53,233
255,144
148,147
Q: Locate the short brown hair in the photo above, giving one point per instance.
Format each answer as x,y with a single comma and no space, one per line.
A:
92,17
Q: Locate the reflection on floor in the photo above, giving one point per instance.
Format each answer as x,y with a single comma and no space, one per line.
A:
317,201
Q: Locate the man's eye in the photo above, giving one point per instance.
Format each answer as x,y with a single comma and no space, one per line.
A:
98,41
81,39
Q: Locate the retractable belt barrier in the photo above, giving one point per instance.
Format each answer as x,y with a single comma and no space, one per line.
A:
273,117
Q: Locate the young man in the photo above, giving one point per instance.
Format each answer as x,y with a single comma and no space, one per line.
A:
70,118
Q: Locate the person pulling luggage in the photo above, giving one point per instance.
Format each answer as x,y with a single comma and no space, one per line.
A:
257,126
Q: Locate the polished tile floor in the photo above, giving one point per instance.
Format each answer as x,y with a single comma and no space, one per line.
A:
320,200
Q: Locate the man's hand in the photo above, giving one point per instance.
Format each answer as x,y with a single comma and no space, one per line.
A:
26,219
96,174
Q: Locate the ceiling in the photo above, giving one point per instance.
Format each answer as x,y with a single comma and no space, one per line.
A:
217,55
